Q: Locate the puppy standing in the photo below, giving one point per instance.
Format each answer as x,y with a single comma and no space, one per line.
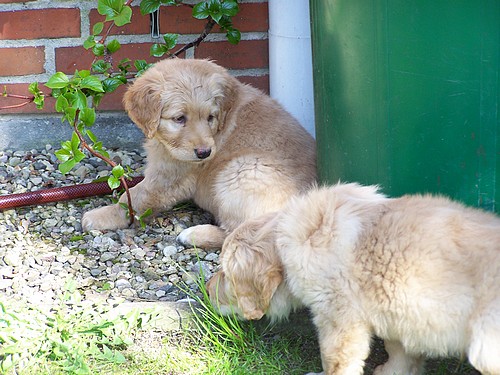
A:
420,272
210,138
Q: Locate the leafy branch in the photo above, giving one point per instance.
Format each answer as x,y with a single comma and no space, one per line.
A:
79,95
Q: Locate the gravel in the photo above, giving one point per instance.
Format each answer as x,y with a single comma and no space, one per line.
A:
43,247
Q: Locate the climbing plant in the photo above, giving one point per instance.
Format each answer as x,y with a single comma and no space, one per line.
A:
78,96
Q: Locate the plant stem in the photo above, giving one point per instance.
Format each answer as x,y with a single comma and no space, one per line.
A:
208,28
107,160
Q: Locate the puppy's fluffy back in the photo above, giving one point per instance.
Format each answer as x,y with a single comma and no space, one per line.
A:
418,269
317,233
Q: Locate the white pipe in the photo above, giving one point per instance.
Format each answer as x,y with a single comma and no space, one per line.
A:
290,59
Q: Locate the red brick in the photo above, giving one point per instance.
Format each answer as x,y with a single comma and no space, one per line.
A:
22,89
245,55
260,82
172,20
70,58
113,101
40,23
179,20
22,61
252,17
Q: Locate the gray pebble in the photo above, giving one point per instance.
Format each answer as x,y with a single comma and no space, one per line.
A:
42,247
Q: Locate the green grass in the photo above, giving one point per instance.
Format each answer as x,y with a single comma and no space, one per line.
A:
82,338
64,338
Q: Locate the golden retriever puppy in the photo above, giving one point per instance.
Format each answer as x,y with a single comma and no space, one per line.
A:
232,149
420,272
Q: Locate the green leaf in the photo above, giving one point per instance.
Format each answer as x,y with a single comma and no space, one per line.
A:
100,66
142,66
109,8
233,36
63,154
57,81
61,103
33,88
67,166
79,156
91,135
75,142
92,83
111,84
89,42
170,40
70,114
149,6
144,216
124,65
124,17
98,49
113,182
87,116
66,145
119,357
113,46
158,50
118,171
229,8
38,97
79,100
147,213
39,101
97,29
201,11
83,73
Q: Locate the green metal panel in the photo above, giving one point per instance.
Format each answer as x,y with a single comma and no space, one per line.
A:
407,95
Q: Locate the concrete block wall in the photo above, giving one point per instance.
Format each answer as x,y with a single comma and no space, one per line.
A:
40,38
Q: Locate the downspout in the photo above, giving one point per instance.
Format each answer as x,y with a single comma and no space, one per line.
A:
290,59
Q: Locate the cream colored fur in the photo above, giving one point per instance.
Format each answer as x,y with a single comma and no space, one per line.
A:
259,155
420,272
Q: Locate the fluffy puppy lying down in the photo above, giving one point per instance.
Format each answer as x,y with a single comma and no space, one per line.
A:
233,150
420,272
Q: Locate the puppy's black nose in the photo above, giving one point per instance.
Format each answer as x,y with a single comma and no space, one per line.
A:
202,153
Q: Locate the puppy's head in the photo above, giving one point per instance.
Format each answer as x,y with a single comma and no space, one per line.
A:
182,104
250,283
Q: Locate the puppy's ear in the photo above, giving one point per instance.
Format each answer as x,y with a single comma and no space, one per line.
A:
253,266
226,95
142,102
255,304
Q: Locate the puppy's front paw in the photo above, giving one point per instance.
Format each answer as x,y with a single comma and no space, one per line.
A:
186,237
105,218
206,236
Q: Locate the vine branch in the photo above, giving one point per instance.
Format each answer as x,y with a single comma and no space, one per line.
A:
107,160
195,43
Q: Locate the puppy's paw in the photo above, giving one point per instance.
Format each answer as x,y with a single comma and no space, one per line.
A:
104,218
186,237
206,236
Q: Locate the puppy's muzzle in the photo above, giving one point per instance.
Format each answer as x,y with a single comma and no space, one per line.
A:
202,152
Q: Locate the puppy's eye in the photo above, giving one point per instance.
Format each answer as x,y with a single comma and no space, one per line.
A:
181,120
211,118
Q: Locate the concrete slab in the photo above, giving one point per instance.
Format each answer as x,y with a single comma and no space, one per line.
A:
26,132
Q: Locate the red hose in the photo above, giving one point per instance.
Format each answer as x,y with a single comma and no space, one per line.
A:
59,194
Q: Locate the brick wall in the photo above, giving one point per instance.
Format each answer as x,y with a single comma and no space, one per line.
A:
39,38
